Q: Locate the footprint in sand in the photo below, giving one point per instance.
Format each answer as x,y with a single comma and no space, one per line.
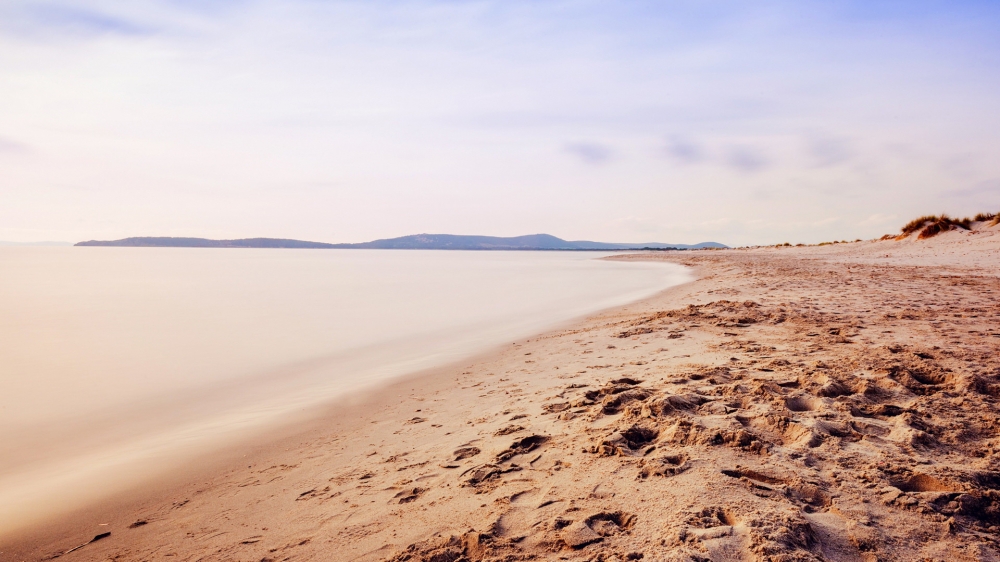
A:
466,452
408,495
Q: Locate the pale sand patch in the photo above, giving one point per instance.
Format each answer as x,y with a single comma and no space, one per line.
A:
832,403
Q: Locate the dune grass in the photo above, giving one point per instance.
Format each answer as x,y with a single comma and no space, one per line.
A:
931,225
916,224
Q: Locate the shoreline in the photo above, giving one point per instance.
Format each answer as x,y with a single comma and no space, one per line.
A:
69,450
345,413
809,404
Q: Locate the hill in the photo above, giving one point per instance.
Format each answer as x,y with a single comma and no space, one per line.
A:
412,242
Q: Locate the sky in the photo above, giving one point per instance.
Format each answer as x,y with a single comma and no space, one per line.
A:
626,121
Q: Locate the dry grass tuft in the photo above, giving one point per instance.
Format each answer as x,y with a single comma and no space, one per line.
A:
935,228
931,225
944,223
916,224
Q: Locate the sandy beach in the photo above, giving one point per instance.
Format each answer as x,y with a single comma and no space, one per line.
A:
814,403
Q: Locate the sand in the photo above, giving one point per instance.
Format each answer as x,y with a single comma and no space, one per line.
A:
816,403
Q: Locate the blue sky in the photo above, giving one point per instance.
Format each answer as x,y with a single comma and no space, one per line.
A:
742,122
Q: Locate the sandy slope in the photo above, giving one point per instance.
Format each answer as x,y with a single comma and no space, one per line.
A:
831,403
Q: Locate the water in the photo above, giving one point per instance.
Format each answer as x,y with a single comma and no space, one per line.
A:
114,360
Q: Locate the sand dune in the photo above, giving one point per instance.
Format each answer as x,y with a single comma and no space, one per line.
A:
818,403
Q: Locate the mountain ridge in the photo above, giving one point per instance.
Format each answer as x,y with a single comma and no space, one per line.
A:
410,242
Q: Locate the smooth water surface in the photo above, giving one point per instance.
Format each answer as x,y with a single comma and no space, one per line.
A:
115,359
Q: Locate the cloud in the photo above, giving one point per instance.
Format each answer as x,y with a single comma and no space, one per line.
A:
8,145
746,159
878,219
591,153
73,20
825,151
685,152
989,189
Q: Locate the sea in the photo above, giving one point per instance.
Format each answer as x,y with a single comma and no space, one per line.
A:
117,364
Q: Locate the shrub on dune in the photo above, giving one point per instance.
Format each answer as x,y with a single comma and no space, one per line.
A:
916,224
935,227
931,225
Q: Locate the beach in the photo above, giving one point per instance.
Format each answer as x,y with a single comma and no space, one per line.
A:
828,402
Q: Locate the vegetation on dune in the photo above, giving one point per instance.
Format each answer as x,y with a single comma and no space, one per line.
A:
931,225
917,224
942,224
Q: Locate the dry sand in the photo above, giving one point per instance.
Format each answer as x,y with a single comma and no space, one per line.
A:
819,403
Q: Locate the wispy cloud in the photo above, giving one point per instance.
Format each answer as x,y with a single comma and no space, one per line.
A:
879,219
987,191
75,19
590,152
684,151
825,150
746,159
10,145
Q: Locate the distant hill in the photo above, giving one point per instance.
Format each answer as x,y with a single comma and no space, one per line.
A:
412,242
528,242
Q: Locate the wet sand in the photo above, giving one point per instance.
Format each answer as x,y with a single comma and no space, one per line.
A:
817,403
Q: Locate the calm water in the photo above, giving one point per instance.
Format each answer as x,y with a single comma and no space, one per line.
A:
114,360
